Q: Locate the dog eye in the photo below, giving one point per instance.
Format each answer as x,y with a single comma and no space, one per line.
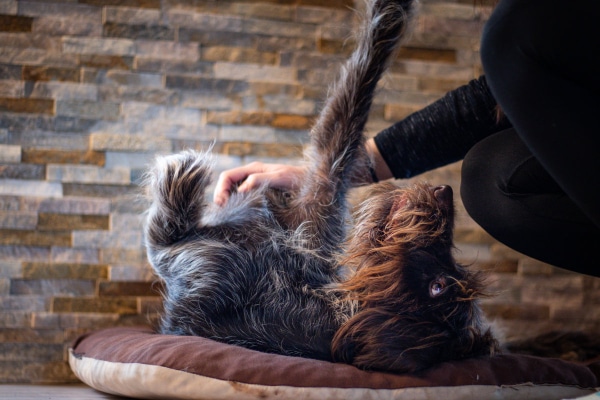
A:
437,287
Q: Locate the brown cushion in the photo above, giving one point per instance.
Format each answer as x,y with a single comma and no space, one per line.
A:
137,362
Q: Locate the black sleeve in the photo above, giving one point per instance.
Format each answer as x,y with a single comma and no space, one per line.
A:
442,132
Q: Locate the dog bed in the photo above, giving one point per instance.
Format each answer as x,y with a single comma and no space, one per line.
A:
136,362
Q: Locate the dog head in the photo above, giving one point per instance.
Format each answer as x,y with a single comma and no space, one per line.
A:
416,305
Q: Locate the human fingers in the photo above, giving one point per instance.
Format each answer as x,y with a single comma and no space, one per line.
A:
254,175
274,175
227,179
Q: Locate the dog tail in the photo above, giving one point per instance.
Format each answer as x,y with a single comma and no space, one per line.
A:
176,186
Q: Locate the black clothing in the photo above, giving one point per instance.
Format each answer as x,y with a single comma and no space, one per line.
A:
507,191
442,132
534,182
541,61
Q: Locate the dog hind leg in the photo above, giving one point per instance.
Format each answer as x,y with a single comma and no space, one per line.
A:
337,142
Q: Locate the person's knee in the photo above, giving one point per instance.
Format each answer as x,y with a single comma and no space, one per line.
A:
476,184
485,171
484,199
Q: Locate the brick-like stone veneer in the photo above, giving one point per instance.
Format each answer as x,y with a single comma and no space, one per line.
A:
91,90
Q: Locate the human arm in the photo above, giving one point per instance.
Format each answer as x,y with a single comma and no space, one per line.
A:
281,176
437,135
381,171
440,133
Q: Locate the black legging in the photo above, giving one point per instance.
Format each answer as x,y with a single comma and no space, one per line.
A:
537,188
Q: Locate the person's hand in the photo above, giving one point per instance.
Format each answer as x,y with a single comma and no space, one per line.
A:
282,176
254,175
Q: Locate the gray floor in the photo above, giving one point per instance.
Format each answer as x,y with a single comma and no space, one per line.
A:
52,392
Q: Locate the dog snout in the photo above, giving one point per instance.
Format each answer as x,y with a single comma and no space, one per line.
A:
444,195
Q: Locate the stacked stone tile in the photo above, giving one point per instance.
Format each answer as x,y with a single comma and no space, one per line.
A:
91,90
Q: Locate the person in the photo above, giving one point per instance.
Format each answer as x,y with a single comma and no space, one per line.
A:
531,172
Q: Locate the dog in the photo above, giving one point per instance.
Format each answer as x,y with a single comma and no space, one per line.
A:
272,270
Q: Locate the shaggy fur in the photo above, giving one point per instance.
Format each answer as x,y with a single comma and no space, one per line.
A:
272,271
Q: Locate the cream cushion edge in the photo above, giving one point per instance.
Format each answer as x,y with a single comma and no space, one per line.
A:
144,381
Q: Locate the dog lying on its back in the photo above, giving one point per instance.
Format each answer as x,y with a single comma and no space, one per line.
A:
271,271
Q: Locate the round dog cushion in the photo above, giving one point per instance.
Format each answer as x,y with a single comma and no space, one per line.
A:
139,363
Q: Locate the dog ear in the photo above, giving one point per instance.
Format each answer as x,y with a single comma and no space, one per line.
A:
377,339
380,340
477,343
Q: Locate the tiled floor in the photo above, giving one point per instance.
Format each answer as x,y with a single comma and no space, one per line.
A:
52,392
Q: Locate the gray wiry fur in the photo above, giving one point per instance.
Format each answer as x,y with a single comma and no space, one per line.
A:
266,270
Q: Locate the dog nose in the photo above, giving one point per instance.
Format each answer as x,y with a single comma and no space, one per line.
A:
443,194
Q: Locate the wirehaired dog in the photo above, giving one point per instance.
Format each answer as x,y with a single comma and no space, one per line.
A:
272,270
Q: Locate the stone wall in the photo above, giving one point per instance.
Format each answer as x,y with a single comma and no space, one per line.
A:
91,90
